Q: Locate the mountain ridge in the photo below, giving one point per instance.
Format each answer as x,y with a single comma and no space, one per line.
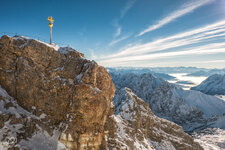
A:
171,102
213,85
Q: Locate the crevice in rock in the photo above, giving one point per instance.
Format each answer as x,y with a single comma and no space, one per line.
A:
16,77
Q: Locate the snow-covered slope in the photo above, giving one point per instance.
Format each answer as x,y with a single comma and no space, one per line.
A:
191,109
209,105
62,50
211,138
22,129
135,127
166,102
213,85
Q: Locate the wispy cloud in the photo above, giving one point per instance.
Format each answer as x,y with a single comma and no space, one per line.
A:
215,61
118,31
119,39
209,61
183,10
166,47
206,49
128,5
186,38
92,55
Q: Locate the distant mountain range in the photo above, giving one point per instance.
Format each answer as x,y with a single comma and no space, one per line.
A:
163,72
140,71
207,72
170,70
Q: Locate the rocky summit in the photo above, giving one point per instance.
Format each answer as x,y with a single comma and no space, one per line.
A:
57,89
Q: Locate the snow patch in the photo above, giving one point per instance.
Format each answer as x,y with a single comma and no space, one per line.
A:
65,50
53,45
211,139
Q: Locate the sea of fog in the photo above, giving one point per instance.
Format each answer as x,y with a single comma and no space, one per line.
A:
184,78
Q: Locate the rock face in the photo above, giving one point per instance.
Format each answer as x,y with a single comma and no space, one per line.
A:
213,85
20,129
135,127
142,85
60,83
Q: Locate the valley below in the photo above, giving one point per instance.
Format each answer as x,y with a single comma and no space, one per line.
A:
186,82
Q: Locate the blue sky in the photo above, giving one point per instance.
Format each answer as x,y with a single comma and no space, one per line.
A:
138,33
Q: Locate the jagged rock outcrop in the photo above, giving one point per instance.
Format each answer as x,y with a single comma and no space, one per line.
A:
135,127
213,85
59,83
190,109
141,84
